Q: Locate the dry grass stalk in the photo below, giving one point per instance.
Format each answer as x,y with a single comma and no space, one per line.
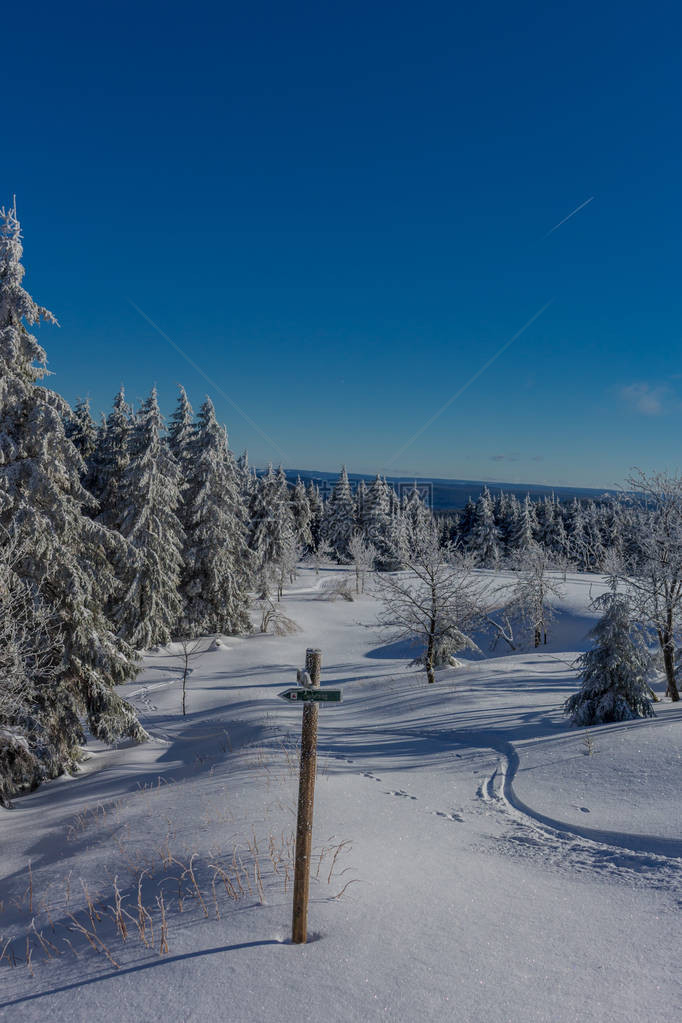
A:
94,940
336,854
163,940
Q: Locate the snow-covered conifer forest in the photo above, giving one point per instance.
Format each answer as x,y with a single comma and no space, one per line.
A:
499,795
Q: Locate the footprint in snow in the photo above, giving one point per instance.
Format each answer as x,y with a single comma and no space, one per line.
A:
448,816
400,792
368,774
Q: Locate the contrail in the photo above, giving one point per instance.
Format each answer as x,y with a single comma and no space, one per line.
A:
208,380
572,214
469,382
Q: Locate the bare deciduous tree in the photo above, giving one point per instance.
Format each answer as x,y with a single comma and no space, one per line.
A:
363,555
435,599
273,619
653,562
190,648
529,598
321,554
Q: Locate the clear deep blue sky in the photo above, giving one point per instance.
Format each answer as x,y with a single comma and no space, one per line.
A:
340,212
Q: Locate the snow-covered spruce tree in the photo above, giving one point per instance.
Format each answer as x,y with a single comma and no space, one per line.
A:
576,538
433,602
148,494
248,480
465,524
595,551
505,512
376,525
339,518
284,568
94,464
484,540
522,533
302,515
218,564
316,512
110,460
416,513
273,538
614,672
81,430
360,505
29,658
181,437
66,556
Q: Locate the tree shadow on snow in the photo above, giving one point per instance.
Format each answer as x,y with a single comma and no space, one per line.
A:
115,974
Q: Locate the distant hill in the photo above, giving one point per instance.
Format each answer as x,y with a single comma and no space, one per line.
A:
447,495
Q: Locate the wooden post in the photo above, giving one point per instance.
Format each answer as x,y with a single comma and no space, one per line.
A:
306,797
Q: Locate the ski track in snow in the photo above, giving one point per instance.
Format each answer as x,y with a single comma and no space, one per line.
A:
637,860
642,861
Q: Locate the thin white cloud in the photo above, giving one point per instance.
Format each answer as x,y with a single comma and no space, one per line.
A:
643,398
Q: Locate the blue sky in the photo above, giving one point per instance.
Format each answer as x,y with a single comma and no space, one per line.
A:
341,212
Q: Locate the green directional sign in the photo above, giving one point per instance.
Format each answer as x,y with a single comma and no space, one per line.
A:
301,695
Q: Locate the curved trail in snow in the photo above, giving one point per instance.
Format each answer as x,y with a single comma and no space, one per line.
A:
505,797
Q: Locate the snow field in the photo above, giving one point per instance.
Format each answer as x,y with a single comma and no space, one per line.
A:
473,890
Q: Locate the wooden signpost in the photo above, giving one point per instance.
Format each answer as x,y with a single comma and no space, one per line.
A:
310,695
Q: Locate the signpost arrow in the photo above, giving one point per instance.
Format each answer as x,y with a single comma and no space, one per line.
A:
311,695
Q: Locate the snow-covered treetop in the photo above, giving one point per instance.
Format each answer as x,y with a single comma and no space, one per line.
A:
18,348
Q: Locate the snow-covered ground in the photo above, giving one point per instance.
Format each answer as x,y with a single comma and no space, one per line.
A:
474,859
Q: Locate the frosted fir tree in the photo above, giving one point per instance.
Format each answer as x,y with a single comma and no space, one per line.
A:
218,565
377,508
360,504
522,533
505,510
248,480
95,467
81,430
110,461
339,518
545,515
273,538
302,515
613,532
316,512
466,523
615,672
376,525
448,529
42,504
415,511
148,496
577,541
595,551
552,533
286,563
181,438
29,660
484,539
